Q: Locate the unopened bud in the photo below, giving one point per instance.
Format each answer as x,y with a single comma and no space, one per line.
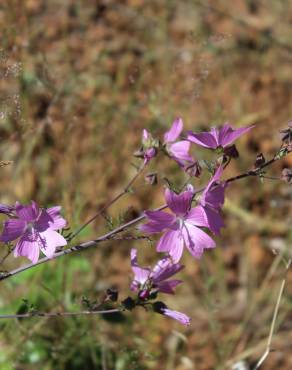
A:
112,294
260,160
231,151
129,303
287,175
144,295
159,306
286,134
151,178
194,169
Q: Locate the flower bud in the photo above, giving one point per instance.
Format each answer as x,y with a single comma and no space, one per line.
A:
151,178
194,169
287,175
231,151
260,160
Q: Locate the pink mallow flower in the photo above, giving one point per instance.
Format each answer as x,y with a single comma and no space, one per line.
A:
180,228
36,229
217,137
179,150
155,279
212,200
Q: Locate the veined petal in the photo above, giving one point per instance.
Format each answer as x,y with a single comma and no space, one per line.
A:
164,269
176,315
215,196
178,203
215,133
27,247
27,213
13,229
204,139
197,240
180,150
141,274
168,286
58,222
174,132
49,240
171,242
158,221
214,218
197,217
229,135
160,217
43,221
208,189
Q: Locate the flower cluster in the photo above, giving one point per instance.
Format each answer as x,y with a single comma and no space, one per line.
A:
185,225
193,215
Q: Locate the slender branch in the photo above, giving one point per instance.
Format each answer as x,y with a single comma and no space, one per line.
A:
110,203
58,314
110,234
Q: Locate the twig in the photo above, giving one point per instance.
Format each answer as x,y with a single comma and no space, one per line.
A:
272,328
111,202
58,314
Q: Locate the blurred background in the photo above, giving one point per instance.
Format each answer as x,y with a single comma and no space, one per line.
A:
79,80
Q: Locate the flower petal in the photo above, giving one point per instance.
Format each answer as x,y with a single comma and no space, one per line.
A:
168,286
180,151
204,139
214,196
27,213
176,315
164,269
197,240
174,132
158,222
26,247
160,217
58,221
214,219
49,241
13,229
178,203
173,243
228,135
141,274
197,217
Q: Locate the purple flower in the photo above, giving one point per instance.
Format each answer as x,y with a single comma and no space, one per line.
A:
161,308
179,150
211,202
146,279
36,229
218,137
182,227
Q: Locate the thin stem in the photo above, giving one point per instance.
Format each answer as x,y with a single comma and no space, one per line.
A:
110,203
275,315
110,234
58,314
